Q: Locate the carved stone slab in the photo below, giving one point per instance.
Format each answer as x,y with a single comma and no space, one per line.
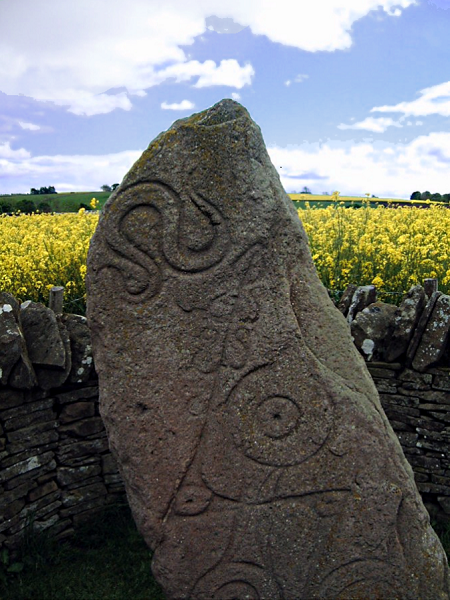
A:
257,459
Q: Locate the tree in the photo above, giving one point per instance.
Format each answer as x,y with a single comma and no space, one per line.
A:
34,191
306,190
114,186
415,196
106,188
425,196
437,197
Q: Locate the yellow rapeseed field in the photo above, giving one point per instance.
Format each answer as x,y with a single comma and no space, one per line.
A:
392,248
41,250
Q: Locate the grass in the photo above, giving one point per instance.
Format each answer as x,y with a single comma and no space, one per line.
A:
70,202
106,559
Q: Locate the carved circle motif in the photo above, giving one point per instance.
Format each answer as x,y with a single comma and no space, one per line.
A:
273,424
236,580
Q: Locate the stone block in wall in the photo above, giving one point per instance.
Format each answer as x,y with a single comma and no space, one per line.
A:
25,466
80,344
431,396
31,433
407,438
363,296
29,407
398,400
83,428
74,454
43,335
10,398
76,411
420,328
29,418
82,495
444,502
84,393
42,490
69,475
405,321
371,329
12,344
346,299
428,463
434,340
109,464
12,483
379,372
44,441
441,381
50,377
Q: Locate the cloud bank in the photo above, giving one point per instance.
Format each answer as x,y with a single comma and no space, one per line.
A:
88,47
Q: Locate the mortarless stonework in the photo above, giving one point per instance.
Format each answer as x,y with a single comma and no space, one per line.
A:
257,459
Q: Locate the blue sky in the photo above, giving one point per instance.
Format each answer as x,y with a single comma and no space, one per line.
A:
350,95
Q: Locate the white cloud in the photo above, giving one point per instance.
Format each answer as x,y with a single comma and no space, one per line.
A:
6,152
183,105
91,47
433,100
298,79
228,73
383,169
371,124
66,173
236,96
29,126
386,170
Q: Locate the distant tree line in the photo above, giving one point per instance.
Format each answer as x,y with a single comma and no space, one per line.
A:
43,190
428,196
109,188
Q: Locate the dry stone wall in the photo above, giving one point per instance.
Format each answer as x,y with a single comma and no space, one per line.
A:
55,464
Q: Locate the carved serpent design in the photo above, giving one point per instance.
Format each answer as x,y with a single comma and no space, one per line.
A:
150,224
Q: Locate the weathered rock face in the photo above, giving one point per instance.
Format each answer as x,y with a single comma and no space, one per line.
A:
257,458
372,329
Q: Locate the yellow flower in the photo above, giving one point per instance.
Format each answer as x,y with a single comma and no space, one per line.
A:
93,203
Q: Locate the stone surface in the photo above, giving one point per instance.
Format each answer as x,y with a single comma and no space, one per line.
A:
49,377
257,459
42,334
435,337
363,297
346,299
80,346
420,328
371,329
11,341
405,322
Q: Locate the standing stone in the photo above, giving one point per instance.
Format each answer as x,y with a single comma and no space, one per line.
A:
257,459
405,322
435,337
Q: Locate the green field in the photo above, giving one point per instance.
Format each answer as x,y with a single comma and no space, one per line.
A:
70,202
73,201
